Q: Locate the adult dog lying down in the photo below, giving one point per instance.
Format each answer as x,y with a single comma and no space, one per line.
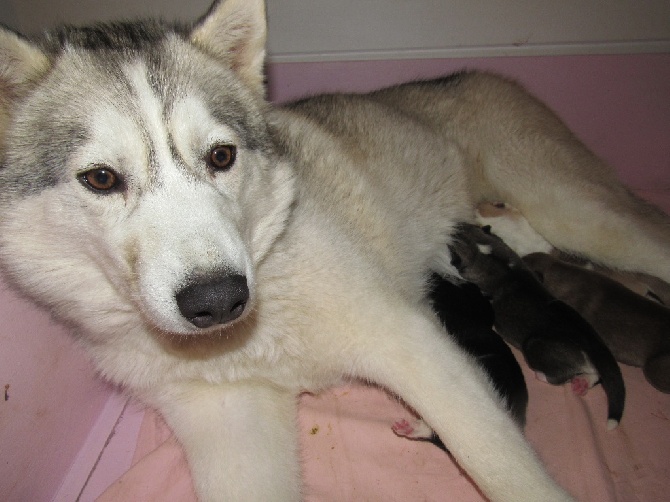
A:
217,256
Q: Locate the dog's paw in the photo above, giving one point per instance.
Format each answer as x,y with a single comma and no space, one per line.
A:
415,429
402,428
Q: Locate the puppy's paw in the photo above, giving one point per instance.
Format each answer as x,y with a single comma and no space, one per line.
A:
579,386
414,429
582,383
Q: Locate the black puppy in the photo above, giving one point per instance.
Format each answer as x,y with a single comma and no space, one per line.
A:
555,340
468,318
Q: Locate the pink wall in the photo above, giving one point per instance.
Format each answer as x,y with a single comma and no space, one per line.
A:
51,403
619,105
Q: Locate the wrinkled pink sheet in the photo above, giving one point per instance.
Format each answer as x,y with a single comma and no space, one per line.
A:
351,454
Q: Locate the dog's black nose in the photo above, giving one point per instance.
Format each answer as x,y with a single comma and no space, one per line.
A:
207,302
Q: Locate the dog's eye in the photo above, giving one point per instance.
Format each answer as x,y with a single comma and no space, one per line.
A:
100,179
221,157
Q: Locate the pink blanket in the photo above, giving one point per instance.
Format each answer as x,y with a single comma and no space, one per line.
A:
350,452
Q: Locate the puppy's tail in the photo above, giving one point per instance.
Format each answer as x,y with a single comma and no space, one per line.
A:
610,378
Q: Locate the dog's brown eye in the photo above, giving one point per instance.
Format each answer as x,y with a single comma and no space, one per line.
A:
221,157
100,179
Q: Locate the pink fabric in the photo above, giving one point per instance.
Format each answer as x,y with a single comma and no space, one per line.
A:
351,454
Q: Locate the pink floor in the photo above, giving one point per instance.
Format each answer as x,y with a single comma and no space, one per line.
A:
351,454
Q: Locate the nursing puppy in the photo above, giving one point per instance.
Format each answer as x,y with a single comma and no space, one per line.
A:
555,340
468,318
635,329
216,255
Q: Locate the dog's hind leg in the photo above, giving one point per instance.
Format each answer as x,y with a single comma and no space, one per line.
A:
571,198
608,226
240,439
522,153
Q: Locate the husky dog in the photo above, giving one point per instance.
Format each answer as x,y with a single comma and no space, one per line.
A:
216,256
555,340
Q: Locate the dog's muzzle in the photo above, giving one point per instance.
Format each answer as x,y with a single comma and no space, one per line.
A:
206,302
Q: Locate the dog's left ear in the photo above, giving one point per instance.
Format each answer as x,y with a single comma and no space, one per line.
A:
234,31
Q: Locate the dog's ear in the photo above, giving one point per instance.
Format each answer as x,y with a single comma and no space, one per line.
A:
234,31
21,62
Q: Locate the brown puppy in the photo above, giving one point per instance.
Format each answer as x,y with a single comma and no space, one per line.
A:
636,330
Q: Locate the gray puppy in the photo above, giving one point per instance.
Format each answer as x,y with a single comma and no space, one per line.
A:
636,329
555,340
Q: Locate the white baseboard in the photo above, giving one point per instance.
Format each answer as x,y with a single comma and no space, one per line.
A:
84,464
629,47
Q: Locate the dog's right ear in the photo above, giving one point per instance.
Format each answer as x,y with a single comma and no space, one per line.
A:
21,62
234,32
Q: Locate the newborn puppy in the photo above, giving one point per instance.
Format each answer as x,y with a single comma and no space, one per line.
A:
555,340
636,330
468,318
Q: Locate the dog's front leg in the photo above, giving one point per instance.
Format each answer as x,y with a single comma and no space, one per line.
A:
240,439
406,351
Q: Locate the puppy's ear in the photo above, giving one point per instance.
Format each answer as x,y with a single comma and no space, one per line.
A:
456,259
234,31
539,274
21,63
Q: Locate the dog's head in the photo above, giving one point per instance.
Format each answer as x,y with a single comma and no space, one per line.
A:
138,170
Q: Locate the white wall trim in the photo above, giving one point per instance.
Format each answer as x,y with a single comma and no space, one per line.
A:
84,464
642,47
